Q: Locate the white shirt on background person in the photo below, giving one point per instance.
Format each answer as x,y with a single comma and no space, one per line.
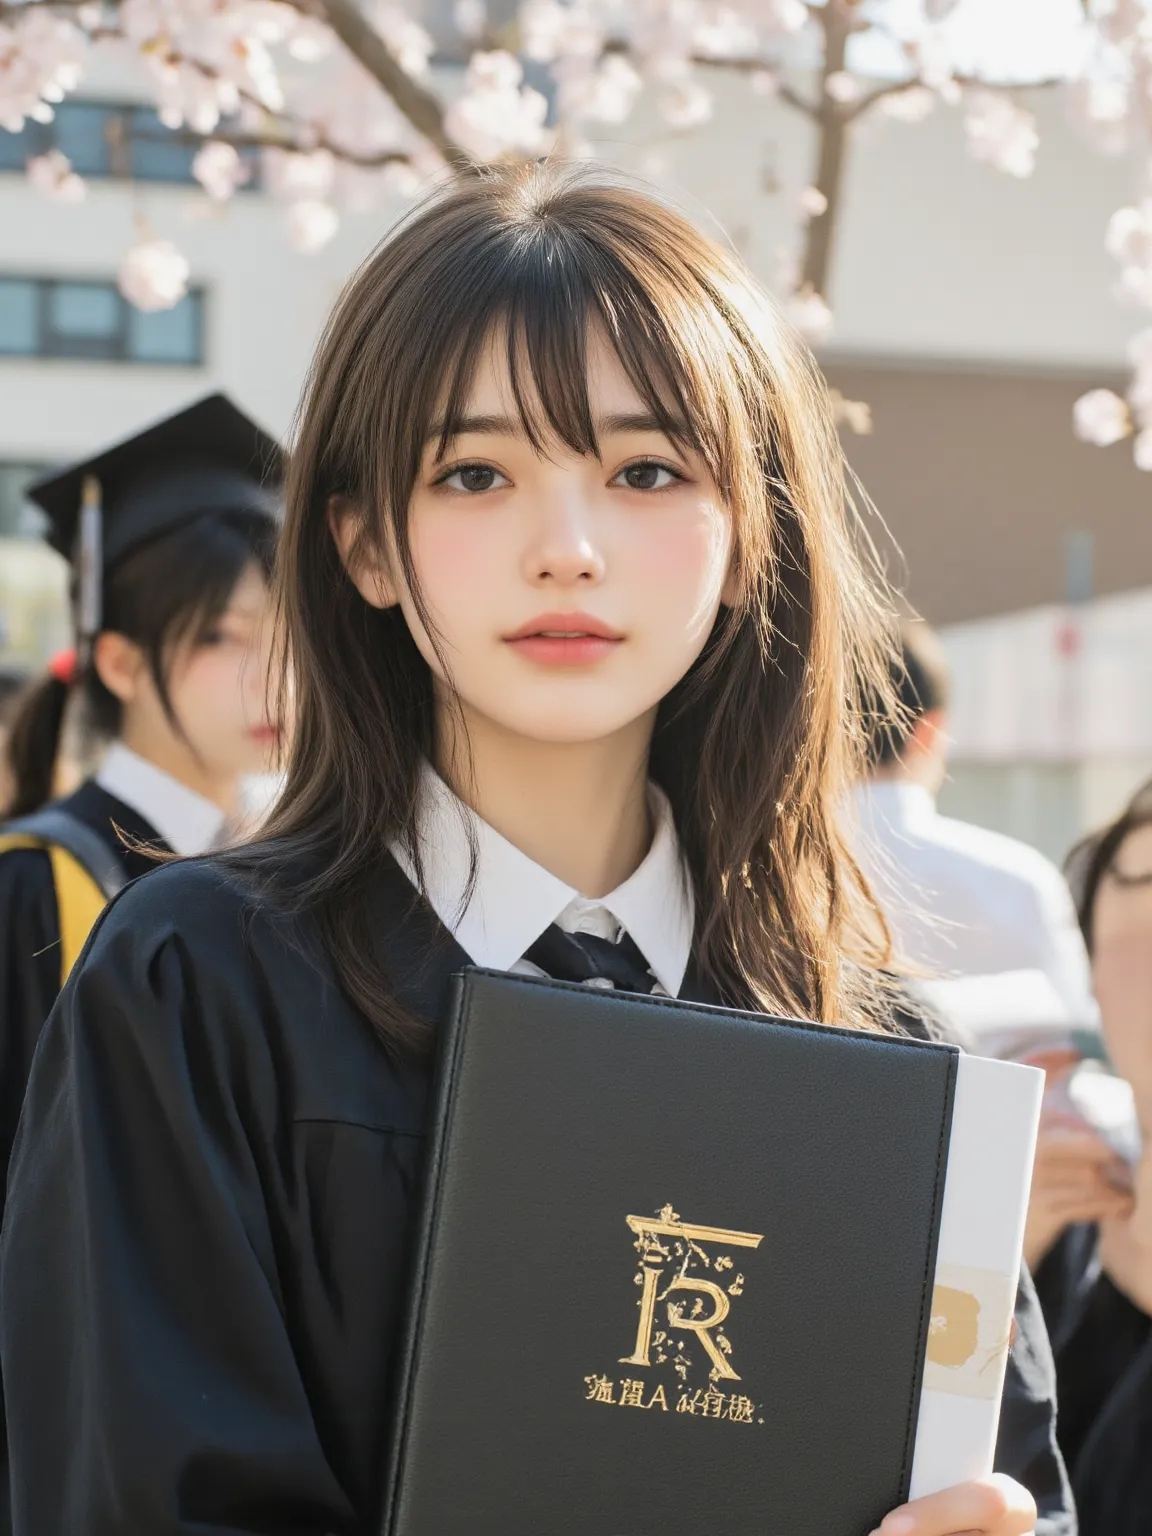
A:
187,822
963,901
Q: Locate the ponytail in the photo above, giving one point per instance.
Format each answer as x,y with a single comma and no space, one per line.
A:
34,737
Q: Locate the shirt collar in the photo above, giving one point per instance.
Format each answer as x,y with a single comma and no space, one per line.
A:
187,822
895,801
513,899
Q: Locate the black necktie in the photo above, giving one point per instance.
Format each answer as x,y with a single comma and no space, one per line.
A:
592,961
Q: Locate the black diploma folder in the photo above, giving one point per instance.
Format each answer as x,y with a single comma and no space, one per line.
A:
675,1271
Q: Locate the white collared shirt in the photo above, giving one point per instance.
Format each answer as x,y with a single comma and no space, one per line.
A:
187,822
513,900
963,901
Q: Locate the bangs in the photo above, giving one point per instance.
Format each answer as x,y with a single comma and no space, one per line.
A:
538,279
540,316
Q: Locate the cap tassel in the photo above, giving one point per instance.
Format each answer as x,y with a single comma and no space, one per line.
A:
90,561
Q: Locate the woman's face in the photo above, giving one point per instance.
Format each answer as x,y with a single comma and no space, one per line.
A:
1122,966
219,685
569,593
217,688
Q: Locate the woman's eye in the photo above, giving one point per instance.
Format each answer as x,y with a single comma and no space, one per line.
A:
474,478
647,475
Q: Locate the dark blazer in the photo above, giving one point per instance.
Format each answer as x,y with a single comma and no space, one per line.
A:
1103,1348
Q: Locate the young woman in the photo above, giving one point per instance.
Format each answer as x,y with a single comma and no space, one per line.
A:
1096,1281
173,681
575,616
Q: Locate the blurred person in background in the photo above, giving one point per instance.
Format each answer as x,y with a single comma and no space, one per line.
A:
1095,1280
173,553
960,901
13,681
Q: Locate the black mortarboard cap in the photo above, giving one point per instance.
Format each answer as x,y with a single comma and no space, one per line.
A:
209,457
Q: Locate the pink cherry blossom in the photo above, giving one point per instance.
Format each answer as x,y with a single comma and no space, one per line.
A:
411,43
1101,417
686,105
471,18
311,224
910,106
219,169
52,174
497,114
811,316
551,30
1001,133
843,87
42,57
293,177
154,275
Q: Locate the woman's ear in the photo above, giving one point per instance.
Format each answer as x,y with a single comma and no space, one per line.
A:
367,570
119,664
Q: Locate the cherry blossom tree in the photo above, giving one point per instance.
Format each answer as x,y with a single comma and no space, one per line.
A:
346,99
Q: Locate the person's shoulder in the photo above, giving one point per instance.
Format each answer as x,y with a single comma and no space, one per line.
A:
183,895
996,854
211,909
25,877
202,959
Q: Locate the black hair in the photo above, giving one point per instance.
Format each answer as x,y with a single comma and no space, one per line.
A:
170,590
1095,856
920,685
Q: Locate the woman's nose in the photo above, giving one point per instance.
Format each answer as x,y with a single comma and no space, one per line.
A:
564,551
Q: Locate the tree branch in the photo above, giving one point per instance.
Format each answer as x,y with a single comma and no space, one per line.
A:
293,145
967,82
784,91
793,98
421,107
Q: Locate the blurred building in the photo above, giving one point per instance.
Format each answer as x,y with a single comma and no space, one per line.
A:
970,311
1052,716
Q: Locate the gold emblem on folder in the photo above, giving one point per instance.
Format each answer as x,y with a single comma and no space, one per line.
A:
969,1331
688,1276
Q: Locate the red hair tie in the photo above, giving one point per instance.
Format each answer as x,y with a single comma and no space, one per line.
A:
63,667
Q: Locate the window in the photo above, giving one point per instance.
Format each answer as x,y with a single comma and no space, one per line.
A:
18,517
156,153
105,139
50,317
19,317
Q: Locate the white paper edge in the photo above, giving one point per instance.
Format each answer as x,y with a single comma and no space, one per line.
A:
995,1118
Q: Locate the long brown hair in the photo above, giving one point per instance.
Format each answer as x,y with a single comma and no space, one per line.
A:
757,746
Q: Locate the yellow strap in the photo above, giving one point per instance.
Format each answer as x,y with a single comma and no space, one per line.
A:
79,900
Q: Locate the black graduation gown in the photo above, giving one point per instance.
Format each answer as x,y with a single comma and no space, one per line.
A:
30,964
203,1269
30,940
1103,1349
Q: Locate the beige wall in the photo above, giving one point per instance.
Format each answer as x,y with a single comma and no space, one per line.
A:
980,480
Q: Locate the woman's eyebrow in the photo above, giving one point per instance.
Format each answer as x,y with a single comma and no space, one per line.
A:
508,426
636,421
493,426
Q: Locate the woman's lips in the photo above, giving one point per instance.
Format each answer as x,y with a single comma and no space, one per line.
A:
564,639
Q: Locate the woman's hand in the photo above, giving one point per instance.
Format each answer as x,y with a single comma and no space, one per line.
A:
1077,1177
990,1506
